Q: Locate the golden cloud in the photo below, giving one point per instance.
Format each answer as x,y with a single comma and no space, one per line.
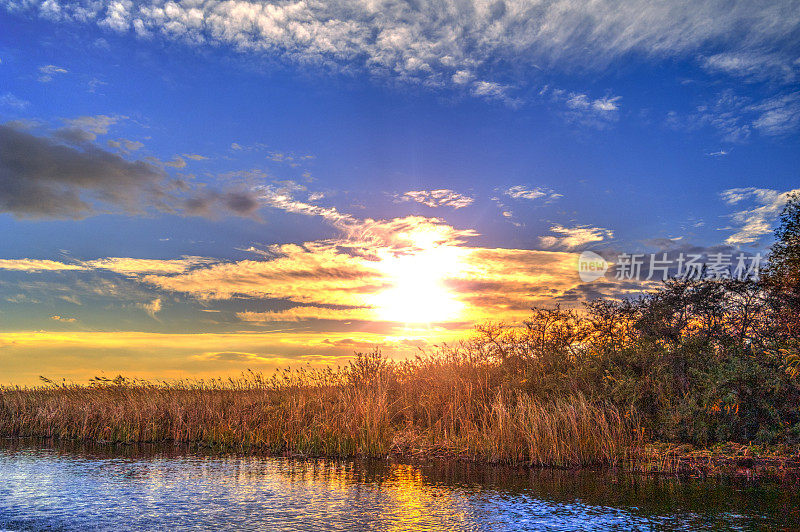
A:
36,265
411,269
316,272
122,265
311,312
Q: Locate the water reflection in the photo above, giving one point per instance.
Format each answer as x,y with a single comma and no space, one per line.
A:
163,488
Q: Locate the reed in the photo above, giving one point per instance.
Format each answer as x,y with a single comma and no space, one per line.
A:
442,405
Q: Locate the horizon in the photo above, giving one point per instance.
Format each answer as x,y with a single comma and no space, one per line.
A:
197,189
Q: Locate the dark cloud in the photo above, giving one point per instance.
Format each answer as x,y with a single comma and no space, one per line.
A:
208,203
42,178
67,176
74,135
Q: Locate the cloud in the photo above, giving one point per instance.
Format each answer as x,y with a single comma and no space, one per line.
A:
324,281
315,273
9,100
41,177
574,237
134,267
63,319
152,307
581,108
403,235
48,72
441,43
494,91
754,66
122,265
399,234
523,192
97,124
777,116
581,102
37,265
606,105
176,162
390,271
310,312
737,117
377,276
209,203
754,223
228,356
125,145
437,198
281,197
86,128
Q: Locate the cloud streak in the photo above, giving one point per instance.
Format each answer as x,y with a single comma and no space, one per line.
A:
444,43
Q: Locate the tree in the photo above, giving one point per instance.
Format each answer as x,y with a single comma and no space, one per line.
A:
784,258
783,282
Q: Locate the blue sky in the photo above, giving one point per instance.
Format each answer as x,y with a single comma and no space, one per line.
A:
242,169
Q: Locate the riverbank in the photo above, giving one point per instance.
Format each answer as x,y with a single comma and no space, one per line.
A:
728,459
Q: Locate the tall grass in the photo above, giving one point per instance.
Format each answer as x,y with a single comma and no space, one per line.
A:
447,405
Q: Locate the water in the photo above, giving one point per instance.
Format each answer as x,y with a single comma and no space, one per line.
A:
135,488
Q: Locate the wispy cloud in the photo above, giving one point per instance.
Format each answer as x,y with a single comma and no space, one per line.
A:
575,237
125,145
122,265
777,116
437,198
738,117
63,319
308,312
39,265
11,101
152,307
48,72
757,221
753,65
441,43
134,266
531,193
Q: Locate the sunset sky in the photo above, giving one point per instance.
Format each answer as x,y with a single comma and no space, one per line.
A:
195,188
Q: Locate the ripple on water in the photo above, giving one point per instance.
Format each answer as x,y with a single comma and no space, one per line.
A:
110,488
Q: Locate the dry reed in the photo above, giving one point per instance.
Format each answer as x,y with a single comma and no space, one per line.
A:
441,405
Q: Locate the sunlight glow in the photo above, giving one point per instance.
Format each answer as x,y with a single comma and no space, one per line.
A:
418,293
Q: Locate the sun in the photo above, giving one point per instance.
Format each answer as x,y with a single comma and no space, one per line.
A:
418,293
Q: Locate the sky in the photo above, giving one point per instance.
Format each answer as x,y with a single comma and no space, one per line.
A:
193,189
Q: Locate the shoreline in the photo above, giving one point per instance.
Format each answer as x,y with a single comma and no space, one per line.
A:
729,461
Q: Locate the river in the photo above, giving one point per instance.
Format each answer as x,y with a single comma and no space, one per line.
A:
163,488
